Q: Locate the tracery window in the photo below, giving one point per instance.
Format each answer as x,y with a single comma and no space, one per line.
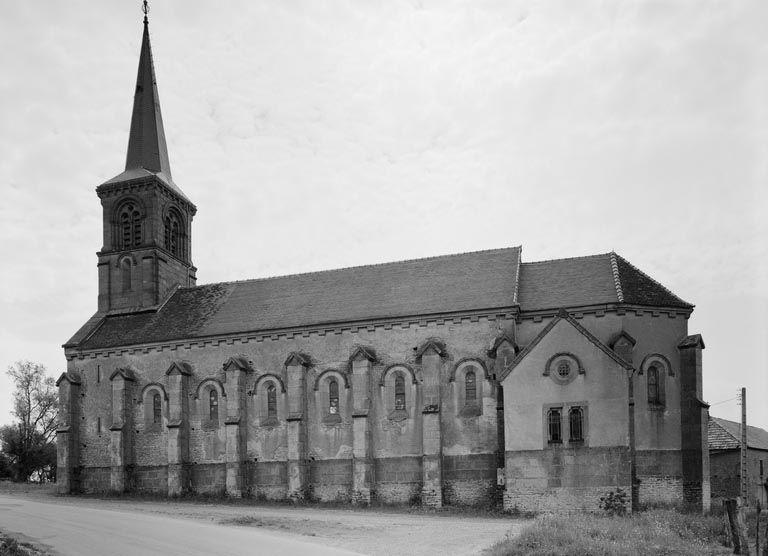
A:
576,424
470,387
271,402
653,385
399,391
173,233
554,429
213,405
333,396
157,408
129,218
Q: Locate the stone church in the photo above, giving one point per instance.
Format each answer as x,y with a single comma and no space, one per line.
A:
474,378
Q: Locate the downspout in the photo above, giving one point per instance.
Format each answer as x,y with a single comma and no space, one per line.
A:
634,490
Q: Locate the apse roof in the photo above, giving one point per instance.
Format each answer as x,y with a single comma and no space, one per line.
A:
591,280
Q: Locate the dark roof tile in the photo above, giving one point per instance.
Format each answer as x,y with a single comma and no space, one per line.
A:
453,283
726,435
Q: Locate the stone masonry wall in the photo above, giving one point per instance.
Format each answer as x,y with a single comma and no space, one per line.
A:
394,436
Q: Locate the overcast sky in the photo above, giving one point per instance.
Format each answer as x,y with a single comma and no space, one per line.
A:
314,135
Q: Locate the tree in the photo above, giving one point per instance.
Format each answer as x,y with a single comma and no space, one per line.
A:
29,443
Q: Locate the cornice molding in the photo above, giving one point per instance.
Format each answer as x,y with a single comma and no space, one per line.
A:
510,313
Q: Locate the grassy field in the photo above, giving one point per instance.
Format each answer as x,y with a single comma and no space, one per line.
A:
652,532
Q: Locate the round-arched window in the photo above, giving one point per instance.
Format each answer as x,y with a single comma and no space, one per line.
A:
174,233
129,222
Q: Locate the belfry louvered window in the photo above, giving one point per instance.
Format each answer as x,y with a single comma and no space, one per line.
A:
129,218
173,234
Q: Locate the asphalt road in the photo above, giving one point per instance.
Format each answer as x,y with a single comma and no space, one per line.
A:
82,531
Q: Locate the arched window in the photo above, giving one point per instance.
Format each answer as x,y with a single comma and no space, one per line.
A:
576,424
271,402
653,385
173,233
555,435
399,391
470,386
213,405
129,217
125,275
157,408
333,396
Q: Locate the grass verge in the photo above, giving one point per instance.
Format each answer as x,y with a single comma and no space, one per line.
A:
653,532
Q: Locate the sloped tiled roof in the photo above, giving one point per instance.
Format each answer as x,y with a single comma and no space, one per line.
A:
453,283
726,435
480,280
592,280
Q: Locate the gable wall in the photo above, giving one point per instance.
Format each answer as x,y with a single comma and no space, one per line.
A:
540,476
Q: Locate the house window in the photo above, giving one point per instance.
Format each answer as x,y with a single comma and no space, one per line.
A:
576,424
98,373
470,386
333,396
130,226
125,275
653,385
563,369
399,391
271,402
213,405
156,409
98,425
761,468
554,429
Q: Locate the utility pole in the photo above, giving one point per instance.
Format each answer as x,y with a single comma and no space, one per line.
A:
743,459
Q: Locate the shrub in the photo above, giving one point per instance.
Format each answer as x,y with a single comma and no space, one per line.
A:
615,502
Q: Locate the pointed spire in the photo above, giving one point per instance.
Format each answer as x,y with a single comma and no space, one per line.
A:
146,143
147,152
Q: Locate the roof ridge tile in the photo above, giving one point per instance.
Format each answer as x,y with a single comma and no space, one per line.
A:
616,277
580,258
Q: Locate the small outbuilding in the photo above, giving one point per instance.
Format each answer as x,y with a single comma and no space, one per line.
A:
725,464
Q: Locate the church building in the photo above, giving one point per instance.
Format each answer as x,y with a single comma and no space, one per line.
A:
468,379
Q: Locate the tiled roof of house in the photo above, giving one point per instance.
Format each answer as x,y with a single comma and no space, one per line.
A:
592,280
480,280
453,283
726,435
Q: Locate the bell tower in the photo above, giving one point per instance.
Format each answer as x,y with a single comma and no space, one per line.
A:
146,250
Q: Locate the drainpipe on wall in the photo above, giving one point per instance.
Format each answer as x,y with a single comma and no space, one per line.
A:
634,494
